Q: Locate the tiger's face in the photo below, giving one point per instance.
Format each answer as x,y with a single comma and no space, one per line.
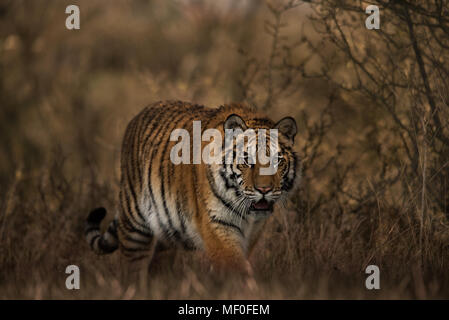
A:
255,191
263,190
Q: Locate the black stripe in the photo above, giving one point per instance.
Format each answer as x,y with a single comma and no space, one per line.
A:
288,184
90,229
181,215
127,212
112,229
134,199
130,228
223,176
130,239
227,224
215,192
91,243
128,150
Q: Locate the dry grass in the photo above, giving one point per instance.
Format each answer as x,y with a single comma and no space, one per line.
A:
67,97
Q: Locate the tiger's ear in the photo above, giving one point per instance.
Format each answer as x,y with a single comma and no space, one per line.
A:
235,122
287,126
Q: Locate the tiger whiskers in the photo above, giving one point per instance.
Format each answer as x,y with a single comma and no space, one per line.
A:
241,207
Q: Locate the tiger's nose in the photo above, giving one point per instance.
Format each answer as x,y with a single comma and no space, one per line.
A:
264,189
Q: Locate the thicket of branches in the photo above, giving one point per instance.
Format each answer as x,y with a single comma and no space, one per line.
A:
402,71
403,68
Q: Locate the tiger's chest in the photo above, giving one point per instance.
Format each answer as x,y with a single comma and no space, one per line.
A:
175,226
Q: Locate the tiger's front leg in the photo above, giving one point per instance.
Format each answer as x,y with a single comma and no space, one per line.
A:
225,252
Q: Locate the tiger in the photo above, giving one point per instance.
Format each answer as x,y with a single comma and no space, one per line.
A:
219,208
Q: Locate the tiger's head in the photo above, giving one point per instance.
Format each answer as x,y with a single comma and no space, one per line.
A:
251,187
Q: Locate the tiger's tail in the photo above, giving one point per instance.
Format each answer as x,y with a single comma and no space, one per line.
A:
101,243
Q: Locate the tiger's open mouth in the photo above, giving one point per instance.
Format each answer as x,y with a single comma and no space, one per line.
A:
262,205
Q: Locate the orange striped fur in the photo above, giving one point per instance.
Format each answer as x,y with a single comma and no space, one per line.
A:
194,206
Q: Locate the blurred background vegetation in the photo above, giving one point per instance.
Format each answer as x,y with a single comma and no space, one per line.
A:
372,108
